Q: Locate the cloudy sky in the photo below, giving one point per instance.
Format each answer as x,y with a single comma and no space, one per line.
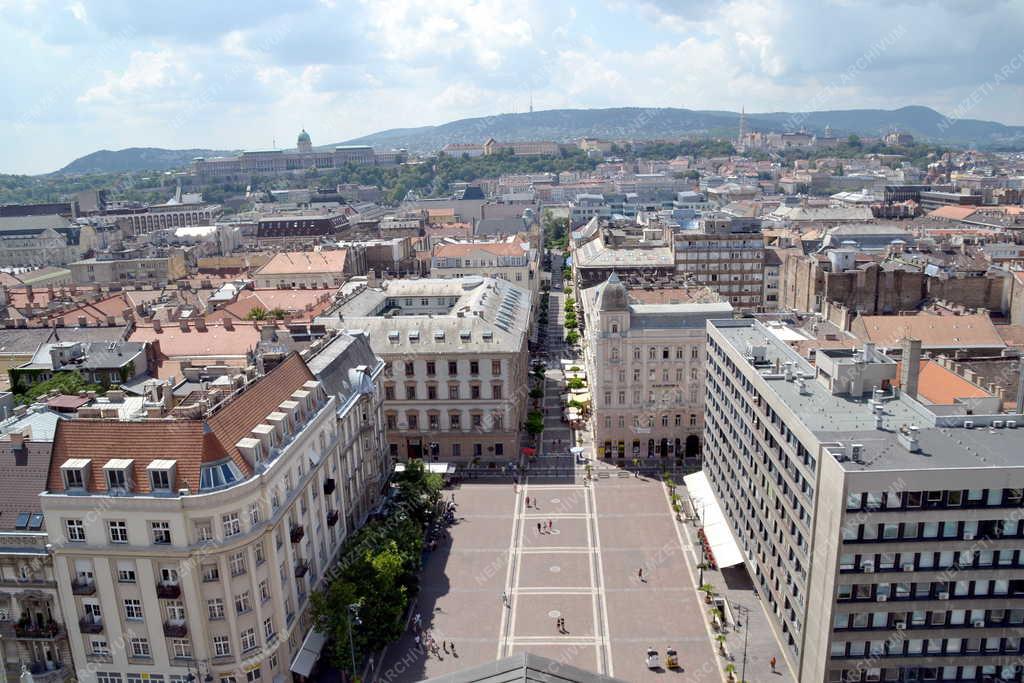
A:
91,74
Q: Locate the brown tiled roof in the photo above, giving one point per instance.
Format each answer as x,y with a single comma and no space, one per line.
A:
190,442
941,386
305,262
934,331
238,417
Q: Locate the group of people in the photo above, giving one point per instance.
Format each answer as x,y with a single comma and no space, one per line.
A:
425,642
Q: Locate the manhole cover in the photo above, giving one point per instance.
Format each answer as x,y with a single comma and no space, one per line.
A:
554,569
554,614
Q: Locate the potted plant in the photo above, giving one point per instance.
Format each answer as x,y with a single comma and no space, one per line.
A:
730,672
709,592
721,644
716,618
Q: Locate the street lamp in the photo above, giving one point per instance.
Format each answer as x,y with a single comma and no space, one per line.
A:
353,620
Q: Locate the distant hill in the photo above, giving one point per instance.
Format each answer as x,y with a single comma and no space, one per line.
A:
136,159
623,123
636,123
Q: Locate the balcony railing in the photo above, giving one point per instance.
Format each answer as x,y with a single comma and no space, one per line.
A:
301,567
175,629
332,518
297,533
90,625
83,587
45,631
168,591
329,487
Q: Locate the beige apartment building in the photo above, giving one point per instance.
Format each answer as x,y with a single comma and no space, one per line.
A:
644,356
457,363
130,269
510,259
193,541
726,253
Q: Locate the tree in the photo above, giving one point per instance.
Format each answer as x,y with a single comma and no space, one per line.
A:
571,337
419,491
534,423
257,313
71,383
853,140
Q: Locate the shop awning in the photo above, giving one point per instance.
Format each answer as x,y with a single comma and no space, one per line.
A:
431,467
724,549
309,653
529,452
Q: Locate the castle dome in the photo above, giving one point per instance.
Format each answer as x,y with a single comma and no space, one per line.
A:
304,137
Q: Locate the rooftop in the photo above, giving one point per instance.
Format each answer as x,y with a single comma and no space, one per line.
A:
288,262
944,441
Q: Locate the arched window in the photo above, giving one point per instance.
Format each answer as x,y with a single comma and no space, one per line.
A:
615,328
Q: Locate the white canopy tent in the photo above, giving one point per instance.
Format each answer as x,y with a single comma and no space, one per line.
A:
309,653
726,551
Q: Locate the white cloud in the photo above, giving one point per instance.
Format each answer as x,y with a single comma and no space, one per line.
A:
146,72
77,10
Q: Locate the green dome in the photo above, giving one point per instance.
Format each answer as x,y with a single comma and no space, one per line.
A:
303,136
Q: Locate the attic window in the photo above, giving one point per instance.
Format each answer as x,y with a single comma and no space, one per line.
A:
161,475
220,474
414,336
465,335
75,473
439,335
393,337
488,335
118,475
22,521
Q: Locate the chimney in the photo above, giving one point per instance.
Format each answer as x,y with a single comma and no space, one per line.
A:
156,325
229,324
911,367
183,324
82,321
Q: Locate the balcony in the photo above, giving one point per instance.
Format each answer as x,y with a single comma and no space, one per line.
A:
297,533
44,631
332,518
175,629
329,487
83,587
90,625
168,591
301,567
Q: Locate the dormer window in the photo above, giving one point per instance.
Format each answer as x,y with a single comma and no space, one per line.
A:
118,476
75,473
161,475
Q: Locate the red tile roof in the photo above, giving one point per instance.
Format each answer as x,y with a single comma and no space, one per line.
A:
941,386
189,442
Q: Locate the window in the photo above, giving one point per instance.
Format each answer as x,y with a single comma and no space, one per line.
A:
431,368
253,675
261,556
204,531
453,368
227,679
211,572
215,608
232,526
161,532
474,367
495,367
181,648
268,628
100,647
75,530
132,609
118,532
264,591
254,514
117,480
248,640
221,646
140,647
126,572
160,480
73,479
237,563
242,603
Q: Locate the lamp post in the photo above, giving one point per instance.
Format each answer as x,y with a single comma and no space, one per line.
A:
745,613
353,620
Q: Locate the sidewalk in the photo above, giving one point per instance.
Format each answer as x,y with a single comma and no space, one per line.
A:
735,586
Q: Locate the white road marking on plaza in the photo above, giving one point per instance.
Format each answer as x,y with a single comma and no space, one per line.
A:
680,532
517,526
591,494
593,582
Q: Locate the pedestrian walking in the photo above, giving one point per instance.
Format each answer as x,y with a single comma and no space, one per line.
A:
419,647
549,525
772,662
640,574
418,620
453,649
444,646
538,527
527,501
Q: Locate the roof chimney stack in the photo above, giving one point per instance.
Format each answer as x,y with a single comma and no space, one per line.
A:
911,367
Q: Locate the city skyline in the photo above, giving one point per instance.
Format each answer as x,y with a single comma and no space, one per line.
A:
85,76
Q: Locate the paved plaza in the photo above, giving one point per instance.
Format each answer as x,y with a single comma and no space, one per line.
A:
584,570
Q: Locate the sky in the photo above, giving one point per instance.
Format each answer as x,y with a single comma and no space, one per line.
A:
108,74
